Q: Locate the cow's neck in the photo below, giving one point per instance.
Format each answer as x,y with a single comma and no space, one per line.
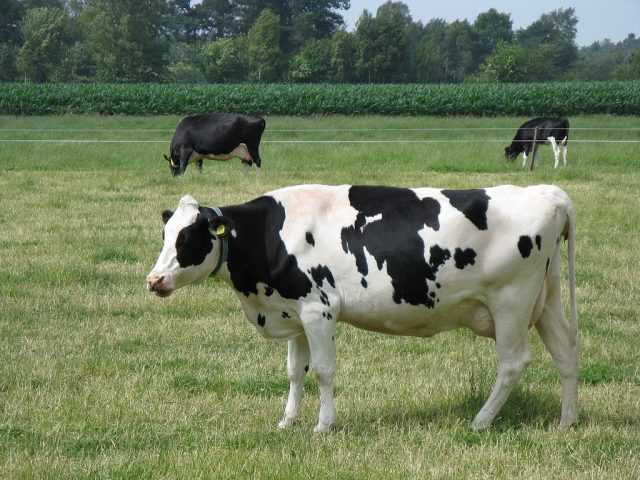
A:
257,254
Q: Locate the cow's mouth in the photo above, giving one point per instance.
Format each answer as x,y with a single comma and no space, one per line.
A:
162,293
158,291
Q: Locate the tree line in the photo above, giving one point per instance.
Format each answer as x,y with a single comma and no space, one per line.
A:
261,41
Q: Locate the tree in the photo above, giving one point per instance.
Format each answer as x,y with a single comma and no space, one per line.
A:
629,70
300,20
217,19
43,30
124,40
381,42
343,51
490,29
223,60
458,50
505,65
264,55
8,54
11,12
313,63
184,64
553,33
427,62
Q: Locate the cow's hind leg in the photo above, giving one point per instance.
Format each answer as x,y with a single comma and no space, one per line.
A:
556,151
564,143
320,333
297,367
561,339
514,356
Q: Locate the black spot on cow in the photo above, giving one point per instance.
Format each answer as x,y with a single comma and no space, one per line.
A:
472,203
538,242
432,294
258,255
268,291
329,316
324,298
464,257
306,368
321,273
393,238
437,257
438,284
261,320
194,242
525,245
285,315
546,268
310,240
363,282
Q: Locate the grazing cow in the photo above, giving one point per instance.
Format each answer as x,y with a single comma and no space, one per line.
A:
392,260
553,130
216,136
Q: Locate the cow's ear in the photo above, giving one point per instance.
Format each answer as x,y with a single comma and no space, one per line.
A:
166,215
222,226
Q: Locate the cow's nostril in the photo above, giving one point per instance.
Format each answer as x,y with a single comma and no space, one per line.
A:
154,282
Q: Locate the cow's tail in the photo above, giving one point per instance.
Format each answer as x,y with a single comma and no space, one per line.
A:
570,235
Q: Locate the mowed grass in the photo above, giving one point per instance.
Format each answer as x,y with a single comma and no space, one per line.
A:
100,379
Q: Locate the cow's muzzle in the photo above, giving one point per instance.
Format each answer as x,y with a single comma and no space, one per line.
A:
155,284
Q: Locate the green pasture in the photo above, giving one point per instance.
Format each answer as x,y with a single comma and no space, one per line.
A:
100,379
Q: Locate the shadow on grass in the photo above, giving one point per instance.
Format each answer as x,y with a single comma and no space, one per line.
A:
524,407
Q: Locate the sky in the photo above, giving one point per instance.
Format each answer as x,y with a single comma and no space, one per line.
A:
615,21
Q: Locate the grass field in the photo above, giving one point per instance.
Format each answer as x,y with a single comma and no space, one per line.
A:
100,379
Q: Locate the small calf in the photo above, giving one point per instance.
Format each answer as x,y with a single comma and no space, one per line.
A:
553,130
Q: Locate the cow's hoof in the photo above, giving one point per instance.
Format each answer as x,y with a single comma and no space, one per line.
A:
286,423
480,424
323,427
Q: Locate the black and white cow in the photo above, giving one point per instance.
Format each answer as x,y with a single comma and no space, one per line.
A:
553,130
392,260
216,136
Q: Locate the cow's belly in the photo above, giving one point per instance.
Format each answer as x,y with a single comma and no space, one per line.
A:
240,152
421,321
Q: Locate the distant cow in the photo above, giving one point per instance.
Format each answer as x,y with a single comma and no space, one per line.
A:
216,136
553,130
391,260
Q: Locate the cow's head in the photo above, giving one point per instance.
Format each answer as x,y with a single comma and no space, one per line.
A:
193,247
175,167
510,152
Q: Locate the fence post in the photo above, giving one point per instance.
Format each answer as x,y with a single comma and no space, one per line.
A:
533,151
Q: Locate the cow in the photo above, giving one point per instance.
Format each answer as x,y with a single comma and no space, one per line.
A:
553,130
216,136
392,260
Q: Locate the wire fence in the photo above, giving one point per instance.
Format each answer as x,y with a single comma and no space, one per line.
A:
17,132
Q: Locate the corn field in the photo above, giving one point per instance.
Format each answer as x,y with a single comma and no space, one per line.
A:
559,98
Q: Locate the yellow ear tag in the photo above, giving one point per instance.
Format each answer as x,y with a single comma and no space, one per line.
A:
220,230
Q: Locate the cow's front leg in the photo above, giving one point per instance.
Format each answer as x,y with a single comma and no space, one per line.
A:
185,156
320,330
297,367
